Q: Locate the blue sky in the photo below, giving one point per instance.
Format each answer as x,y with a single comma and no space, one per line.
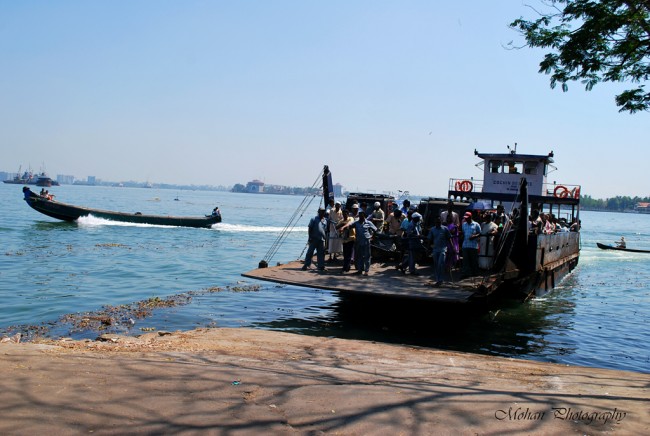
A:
391,95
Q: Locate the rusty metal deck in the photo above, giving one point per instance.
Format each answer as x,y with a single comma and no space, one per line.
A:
383,280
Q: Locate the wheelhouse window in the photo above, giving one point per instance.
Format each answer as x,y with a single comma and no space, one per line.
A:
530,168
513,167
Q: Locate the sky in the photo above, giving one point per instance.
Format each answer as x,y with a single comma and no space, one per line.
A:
391,95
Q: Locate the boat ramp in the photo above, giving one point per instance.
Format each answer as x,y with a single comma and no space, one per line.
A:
384,280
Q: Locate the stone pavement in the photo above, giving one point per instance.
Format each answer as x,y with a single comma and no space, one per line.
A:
243,381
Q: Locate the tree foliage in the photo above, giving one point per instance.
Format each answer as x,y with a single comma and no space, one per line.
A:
618,203
594,41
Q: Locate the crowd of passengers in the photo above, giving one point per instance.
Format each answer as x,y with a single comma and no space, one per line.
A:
452,242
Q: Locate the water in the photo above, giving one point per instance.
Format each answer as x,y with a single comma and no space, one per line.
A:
55,276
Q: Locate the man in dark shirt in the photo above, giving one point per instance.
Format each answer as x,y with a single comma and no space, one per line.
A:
317,231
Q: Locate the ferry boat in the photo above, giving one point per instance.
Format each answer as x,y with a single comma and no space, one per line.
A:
521,261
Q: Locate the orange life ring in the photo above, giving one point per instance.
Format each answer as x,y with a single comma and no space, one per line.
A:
561,191
575,193
464,186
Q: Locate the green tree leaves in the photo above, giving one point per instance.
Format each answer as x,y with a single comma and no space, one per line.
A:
594,41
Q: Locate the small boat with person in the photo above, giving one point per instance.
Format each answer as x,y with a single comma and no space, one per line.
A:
67,212
620,248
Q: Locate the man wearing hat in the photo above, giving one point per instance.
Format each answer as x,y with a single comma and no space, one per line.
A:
355,211
414,235
364,230
317,229
471,233
335,245
378,216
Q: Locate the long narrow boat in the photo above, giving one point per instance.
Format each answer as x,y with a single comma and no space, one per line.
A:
521,261
68,212
610,247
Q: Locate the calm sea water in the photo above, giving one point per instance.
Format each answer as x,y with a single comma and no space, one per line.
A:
53,274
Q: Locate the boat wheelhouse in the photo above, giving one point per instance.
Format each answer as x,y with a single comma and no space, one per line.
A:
537,263
502,173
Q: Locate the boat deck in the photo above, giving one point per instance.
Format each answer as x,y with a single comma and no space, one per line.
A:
384,280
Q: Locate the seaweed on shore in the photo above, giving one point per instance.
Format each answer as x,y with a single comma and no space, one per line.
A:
112,319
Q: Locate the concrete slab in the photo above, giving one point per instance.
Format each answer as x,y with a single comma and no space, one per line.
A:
242,381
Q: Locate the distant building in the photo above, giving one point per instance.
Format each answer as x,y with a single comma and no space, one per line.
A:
338,190
65,180
642,207
255,187
5,175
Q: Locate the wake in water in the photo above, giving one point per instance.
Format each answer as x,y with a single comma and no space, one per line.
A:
239,228
91,221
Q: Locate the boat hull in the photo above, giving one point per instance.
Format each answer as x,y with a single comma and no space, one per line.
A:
68,212
610,247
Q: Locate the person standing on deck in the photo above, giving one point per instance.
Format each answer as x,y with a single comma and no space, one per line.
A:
414,235
502,213
346,228
453,248
364,230
355,212
471,233
403,242
335,245
394,222
317,230
377,216
489,227
445,214
440,237
406,205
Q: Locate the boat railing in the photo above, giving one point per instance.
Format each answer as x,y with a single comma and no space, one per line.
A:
464,188
487,250
561,190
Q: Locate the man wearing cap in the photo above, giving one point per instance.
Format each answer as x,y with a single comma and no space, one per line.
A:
414,235
355,211
346,228
364,230
471,233
378,216
316,230
335,245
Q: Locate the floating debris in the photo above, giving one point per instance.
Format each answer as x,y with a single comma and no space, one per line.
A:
116,319
112,244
